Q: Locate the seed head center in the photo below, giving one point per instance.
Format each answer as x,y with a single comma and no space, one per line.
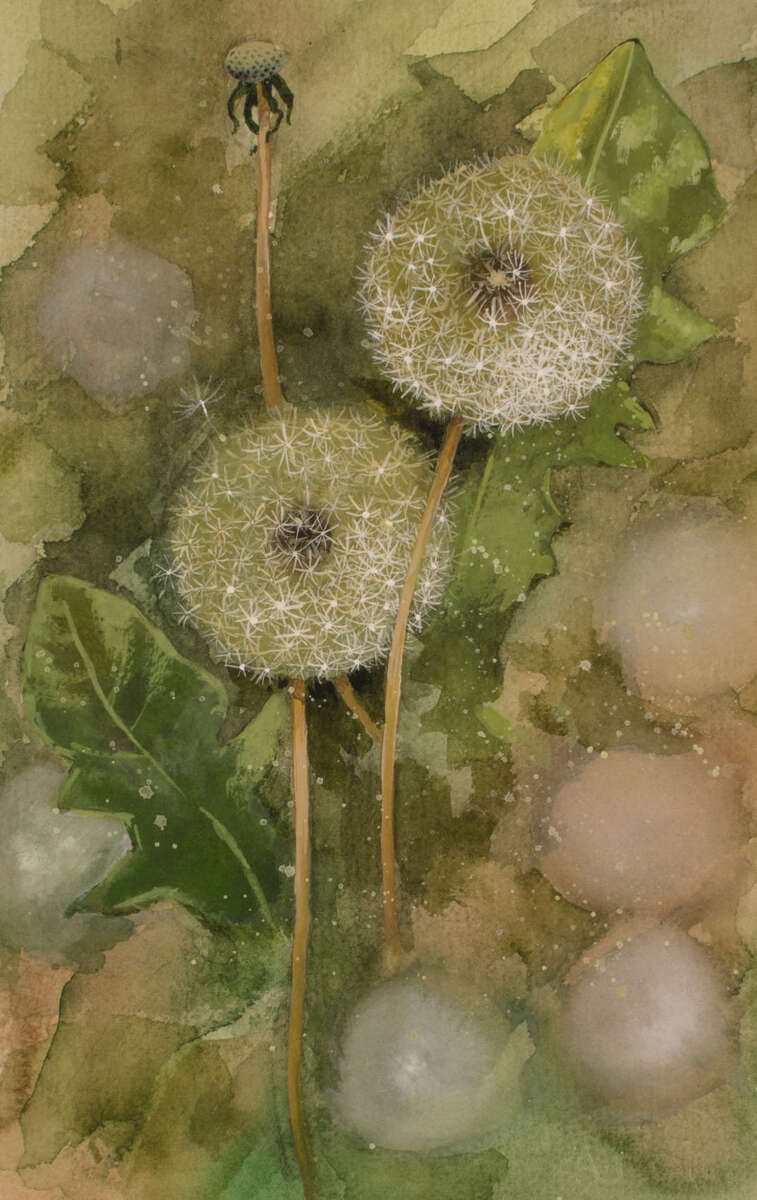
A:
501,283
303,537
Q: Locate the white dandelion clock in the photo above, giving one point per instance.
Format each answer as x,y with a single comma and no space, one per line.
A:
420,1072
504,293
650,1028
291,544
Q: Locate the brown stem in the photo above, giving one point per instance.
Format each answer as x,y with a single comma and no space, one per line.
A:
356,706
272,392
302,859
394,690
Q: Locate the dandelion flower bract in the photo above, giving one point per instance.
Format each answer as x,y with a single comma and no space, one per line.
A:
504,293
291,543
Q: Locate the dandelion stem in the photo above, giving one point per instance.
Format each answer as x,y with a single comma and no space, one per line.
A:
302,860
356,706
274,397
394,690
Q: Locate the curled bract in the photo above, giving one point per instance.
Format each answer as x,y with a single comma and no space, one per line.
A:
505,293
291,544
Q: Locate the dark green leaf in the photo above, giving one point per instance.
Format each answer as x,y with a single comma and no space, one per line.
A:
505,513
632,143
669,329
506,520
140,725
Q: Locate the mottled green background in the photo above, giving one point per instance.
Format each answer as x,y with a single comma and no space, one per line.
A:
146,1060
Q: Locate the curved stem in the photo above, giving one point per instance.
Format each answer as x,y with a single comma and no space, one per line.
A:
356,706
394,691
272,392
302,859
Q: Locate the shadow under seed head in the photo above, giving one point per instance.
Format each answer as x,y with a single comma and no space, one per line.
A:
304,537
500,283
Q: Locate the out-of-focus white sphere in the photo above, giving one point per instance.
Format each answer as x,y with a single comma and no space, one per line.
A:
635,830
47,860
116,318
418,1072
648,1027
679,607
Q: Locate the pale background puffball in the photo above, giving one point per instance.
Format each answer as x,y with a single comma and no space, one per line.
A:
639,831
47,859
679,607
648,1027
418,1072
116,318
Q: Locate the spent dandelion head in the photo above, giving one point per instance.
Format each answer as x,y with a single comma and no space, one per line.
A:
291,543
503,293
257,64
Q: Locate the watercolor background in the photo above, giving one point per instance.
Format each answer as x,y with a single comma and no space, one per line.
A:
133,1061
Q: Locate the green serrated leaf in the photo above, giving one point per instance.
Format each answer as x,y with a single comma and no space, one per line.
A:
140,725
505,511
99,676
506,520
629,140
256,747
669,329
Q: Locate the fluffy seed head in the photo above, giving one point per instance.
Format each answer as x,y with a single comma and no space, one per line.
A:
292,542
650,1028
254,62
504,293
419,1071
643,832
679,606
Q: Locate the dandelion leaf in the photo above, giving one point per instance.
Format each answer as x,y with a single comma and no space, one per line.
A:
632,143
140,726
669,329
506,520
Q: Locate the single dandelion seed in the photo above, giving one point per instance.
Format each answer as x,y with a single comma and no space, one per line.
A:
198,397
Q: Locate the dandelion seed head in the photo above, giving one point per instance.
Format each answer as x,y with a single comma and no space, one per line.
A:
501,273
291,543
